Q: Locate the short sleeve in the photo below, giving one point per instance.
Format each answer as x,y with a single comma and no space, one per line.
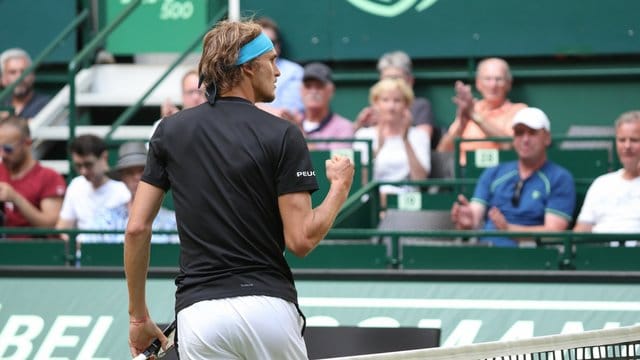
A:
363,147
562,200
155,172
587,213
55,186
67,211
482,193
295,172
421,147
421,112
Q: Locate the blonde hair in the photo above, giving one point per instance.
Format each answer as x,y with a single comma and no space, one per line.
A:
385,85
220,49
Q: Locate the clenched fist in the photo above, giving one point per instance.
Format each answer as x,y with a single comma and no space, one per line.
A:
340,170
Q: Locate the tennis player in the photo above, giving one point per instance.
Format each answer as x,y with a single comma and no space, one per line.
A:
241,180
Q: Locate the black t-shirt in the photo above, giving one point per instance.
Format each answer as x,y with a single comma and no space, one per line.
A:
226,165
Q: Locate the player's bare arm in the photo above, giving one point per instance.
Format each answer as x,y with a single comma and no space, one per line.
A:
304,227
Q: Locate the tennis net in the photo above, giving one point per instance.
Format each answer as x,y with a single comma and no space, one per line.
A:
619,344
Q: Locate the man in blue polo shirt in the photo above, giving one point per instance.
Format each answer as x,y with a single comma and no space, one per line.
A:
530,194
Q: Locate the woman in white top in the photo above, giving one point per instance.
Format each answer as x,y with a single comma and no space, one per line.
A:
401,152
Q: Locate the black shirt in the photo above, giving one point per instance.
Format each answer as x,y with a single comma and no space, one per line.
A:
226,165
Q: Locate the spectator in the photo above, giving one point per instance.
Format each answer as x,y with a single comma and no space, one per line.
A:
30,194
397,65
132,156
318,121
612,203
93,189
25,101
400,150
288,102
489,117
192,95
529,194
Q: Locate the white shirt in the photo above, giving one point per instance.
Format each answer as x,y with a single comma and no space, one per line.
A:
392,162
82,201
612,204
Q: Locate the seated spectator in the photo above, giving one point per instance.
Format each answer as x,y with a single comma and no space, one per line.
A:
191,95
397,65
612,203
92,190
288,102
26,102
489,117
132,157
400,151
30,194
529,194
318,121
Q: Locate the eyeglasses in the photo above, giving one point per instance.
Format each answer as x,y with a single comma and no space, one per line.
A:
515,199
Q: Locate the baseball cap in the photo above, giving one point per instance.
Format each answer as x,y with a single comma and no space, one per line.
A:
533,118
317,71
130,154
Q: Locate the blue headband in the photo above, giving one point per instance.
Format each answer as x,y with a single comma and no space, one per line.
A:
254,48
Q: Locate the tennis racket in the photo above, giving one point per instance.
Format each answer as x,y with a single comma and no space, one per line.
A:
155,349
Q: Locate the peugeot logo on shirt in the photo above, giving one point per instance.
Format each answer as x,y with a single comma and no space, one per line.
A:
306,173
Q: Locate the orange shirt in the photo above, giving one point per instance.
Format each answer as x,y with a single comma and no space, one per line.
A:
499,117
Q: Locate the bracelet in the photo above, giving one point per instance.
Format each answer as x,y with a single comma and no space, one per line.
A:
134,321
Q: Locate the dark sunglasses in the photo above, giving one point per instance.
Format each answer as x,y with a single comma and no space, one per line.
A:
515,199
8,148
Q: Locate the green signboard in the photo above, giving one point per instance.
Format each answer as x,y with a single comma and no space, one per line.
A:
364,29
156,25
86,318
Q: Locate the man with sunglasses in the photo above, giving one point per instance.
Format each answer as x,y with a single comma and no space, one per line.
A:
529,194
30,194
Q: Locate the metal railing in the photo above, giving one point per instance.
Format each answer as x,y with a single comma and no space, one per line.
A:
124,118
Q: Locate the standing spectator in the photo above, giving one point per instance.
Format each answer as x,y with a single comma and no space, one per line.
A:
241,180
132,157
318,121
400,150
489,117
612,203
397,65
93,189
529,194
30,194
288,102
24,100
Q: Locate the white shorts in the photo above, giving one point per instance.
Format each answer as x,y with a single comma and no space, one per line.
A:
246,327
